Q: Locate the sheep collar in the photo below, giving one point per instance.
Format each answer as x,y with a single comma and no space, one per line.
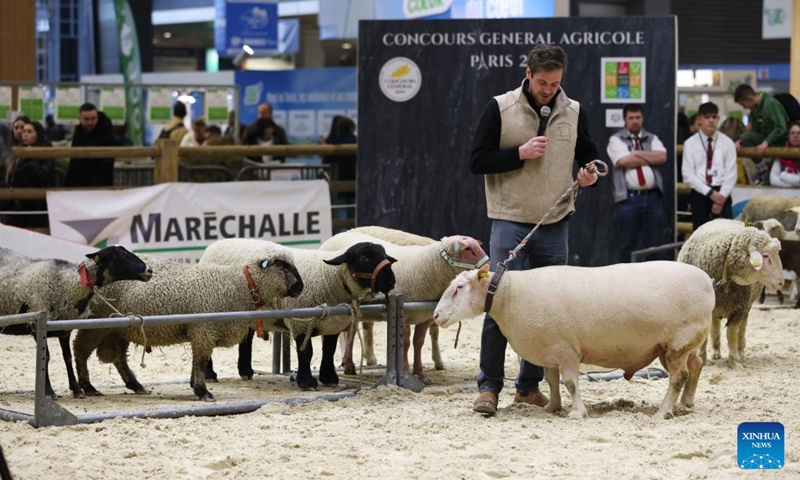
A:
255,296
90,273
456,264
499,270
373,277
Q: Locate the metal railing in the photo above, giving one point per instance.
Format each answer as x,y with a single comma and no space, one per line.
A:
48,412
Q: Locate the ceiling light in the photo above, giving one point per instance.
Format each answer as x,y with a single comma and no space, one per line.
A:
249,50
167,34
187,99
347,45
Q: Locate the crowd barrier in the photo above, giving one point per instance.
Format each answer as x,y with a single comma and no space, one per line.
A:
47,412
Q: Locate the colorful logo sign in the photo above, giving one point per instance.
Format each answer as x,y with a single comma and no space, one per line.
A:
623,80
761,446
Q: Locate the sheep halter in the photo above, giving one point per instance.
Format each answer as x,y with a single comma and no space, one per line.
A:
595,166
256,297
372,277
455,265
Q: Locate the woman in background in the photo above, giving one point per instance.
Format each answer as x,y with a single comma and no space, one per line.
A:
785,172
30,173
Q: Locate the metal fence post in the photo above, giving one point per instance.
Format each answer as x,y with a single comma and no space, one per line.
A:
46,412
276,352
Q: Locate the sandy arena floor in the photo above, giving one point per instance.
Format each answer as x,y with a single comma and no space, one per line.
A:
393,433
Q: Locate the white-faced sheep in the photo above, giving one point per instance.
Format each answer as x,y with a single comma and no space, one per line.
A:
739,259
63,290
330,277
621,316
179,288
423,273
762,207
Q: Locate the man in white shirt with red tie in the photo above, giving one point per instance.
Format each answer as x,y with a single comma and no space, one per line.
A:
709,166
637,156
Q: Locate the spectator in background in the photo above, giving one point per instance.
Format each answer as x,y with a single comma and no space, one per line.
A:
768,124
94,130
733,128
175,129
343,131
54,131
213,132
709,166
683,131
265,113
229,130
16,130
786,171
30,173
266,132
197,136
638,183
694,124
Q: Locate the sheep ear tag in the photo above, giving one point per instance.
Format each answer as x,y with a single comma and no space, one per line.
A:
264,264
456,247
756,260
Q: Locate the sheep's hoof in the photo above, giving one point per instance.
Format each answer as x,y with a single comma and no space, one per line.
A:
90,391
666,415
306,383
350,369
141,391
329,379
244,374
577,414
78,393
208,398
551,407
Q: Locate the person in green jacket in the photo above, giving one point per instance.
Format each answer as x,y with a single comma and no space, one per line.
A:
768,123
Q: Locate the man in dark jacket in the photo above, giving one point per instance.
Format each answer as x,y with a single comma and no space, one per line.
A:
95,130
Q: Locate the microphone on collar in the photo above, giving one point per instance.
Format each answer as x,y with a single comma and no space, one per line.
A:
545,116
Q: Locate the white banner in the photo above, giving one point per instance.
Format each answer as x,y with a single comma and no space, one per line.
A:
179,220
776,19
36,245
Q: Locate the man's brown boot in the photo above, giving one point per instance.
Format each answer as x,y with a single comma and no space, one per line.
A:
534,397
486,403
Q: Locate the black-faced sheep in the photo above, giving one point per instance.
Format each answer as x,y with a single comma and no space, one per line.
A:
331,278
62,289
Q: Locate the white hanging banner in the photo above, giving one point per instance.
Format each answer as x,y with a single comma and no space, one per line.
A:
159,105
776,19
112,103
179,220
68,104
216,102
31,102
5,102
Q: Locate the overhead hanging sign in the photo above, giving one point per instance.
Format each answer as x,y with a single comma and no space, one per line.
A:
776,19
246,22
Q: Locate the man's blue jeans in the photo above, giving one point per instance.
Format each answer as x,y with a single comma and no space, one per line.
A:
548,246
641,223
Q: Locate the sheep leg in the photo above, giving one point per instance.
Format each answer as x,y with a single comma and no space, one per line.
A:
676,365
763,295
779,294
420,332
703,350
436,354
347,355
48,387
569,372
327,368
716,325
66,353
197,380
245,363
552,376
695,365
304,379
741,336
734,361
86,341
369,343
125,372
406,344
210,374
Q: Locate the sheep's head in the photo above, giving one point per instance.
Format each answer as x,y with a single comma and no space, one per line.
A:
275,275
772,226
465,298
112,264
755,258
463,253
369,265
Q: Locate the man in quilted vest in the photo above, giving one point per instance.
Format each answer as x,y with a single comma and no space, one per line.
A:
526,157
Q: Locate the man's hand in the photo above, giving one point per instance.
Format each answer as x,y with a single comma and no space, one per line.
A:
761,147
738,146
586,178
718,198
716,209
533,148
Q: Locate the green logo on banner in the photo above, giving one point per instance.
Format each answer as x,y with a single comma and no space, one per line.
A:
131,70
